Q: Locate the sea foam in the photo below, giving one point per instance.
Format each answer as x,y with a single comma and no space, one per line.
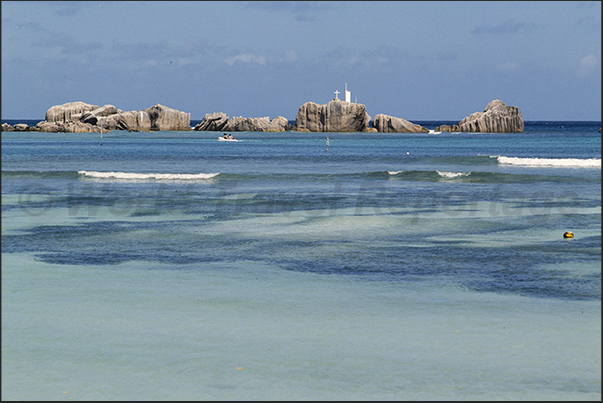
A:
551,162
146,176
443,174
452,175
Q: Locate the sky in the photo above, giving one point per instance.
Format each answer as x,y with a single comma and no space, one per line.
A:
413,60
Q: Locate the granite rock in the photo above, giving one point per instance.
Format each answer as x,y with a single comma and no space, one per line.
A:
71,111
496,118
335,116
129,120
81,117
212,122
263,124
164,118
92,117
389,124
67,127
19,127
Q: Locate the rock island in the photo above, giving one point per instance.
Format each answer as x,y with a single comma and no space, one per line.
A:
335,116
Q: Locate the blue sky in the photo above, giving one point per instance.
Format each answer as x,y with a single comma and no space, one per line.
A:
414,60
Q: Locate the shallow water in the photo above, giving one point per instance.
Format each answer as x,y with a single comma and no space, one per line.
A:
361,273
249,331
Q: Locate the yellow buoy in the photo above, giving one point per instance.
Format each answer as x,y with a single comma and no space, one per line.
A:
568,234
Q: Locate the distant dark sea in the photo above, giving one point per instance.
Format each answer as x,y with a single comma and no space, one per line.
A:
28,122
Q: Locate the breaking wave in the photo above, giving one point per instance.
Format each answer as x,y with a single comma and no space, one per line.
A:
452,175
551,162
146,176
475,177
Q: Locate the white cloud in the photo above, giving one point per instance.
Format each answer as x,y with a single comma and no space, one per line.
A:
587,65
509,66
246,58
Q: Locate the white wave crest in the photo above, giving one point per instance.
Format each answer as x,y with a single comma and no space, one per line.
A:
149,176
452,175
551,162
393,172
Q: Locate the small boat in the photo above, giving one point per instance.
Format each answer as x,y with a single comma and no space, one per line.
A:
223,139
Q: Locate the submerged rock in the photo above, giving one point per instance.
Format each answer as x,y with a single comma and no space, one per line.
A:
389,124
496,118
336,116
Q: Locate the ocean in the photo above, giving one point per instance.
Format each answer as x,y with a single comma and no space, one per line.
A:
173,266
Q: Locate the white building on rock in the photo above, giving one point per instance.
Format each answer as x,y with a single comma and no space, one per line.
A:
347,94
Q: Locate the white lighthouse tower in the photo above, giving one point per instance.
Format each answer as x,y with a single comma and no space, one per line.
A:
348,94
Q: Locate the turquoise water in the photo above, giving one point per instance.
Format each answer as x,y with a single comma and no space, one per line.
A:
171,266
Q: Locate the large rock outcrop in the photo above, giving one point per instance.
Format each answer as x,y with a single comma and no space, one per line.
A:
212,122
336,116
129,120
164,118
157,117
69,112
67,127
263,124
389,124
496,118
220,122
92,117
79,117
